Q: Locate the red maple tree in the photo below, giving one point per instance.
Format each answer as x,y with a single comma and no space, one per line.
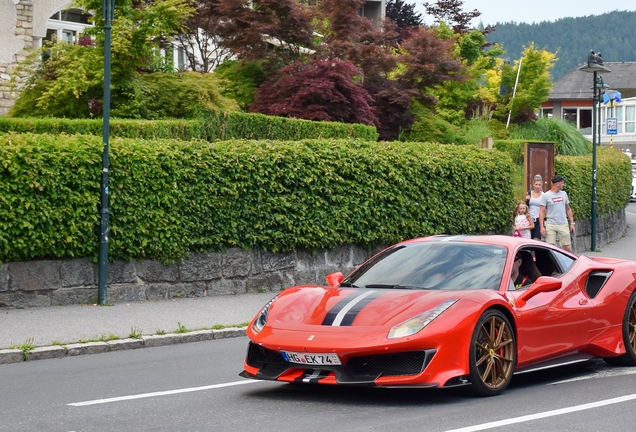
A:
319,90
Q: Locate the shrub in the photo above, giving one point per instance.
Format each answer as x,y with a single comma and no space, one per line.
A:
567,139
429,127
241,79
169,197
211,126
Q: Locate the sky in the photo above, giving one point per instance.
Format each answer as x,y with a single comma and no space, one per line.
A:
493,11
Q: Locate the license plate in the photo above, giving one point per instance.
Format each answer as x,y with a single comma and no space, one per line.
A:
311,359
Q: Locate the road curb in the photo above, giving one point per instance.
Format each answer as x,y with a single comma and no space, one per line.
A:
8,356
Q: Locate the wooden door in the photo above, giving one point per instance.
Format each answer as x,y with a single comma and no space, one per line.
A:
538,159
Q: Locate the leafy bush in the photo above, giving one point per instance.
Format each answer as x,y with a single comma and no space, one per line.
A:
211,127
429,127
181,95
514,148
567,139
169,197
241,81
613,181
153,96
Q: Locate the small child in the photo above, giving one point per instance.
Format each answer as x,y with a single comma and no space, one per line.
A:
522,220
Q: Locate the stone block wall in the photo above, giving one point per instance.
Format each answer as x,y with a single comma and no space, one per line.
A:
19,20
236,271
608,228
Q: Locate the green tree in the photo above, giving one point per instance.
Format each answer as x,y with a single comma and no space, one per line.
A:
458,99
533,88
70,82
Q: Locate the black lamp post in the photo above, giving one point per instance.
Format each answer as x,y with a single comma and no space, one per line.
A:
594,65
108,12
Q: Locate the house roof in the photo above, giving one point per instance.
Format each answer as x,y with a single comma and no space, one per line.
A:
578,85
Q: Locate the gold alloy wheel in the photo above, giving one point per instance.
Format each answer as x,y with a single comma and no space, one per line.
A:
632,326
495,352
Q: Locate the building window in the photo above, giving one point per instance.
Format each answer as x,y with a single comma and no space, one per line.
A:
569,115
67,25
547,112
630,119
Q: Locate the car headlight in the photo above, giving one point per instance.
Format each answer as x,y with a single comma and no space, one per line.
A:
261,319
417,323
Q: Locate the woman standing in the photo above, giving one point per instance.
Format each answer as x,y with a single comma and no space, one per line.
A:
533,199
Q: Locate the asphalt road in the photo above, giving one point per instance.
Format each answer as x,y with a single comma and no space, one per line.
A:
195,387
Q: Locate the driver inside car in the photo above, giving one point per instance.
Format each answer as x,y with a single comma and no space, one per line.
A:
524,270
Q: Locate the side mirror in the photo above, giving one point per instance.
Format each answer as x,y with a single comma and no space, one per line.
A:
334,279
541,285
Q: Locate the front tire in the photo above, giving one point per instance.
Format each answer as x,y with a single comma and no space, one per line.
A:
629,336
493,354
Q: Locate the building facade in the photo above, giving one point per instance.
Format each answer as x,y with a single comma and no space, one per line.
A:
571,100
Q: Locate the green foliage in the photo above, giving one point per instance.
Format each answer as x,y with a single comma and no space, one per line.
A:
170,197
613,32
211,126
49,188
242,80
474,130
70,82
613,180
182,95
62,85
514,149
567,139
533,86
455,96
429,127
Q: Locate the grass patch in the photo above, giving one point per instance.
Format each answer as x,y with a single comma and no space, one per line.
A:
135,333
181,328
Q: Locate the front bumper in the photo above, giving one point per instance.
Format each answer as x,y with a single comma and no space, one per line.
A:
392,368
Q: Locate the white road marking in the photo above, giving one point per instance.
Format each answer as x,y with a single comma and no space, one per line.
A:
604,374
545,414
162,393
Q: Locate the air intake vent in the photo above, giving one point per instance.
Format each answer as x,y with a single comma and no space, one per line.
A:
595,281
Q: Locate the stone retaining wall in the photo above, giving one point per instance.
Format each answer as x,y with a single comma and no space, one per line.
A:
236,271
608,229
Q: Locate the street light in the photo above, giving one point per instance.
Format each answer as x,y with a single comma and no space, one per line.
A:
594,65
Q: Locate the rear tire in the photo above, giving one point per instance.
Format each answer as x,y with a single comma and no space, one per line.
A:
629,336
493,354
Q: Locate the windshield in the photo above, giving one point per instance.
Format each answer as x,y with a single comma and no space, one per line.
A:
433,265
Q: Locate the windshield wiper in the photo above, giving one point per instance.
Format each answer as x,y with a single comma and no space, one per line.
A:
391,286
348,285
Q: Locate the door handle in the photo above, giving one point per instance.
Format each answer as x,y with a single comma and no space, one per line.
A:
583,301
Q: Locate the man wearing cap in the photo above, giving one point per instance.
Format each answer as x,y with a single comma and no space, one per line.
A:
555,213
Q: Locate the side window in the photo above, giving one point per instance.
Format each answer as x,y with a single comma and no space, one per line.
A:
564,260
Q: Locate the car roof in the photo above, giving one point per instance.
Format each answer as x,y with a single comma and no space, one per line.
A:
509,242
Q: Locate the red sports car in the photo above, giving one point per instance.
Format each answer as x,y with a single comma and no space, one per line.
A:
449,311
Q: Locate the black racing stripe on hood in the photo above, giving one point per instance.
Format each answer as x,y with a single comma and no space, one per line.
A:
331,315
353,313
356,302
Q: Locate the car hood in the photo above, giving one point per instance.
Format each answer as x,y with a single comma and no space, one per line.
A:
321,306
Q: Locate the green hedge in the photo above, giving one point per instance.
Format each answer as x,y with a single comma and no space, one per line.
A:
168,197
613,181
211,127
613,178
514,148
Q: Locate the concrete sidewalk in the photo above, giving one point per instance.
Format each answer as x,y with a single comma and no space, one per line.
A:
58,329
